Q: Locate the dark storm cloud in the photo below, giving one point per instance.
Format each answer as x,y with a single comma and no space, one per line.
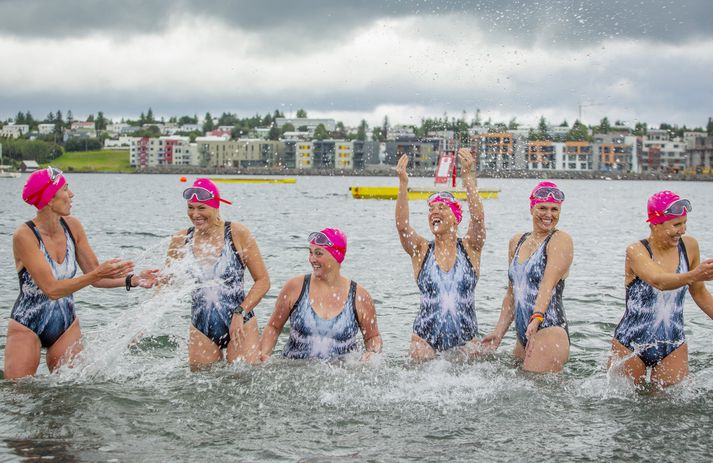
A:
560,23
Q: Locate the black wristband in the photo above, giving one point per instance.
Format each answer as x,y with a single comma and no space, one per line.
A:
127,282
239,310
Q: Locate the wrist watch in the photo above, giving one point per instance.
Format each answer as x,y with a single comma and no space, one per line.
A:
239,310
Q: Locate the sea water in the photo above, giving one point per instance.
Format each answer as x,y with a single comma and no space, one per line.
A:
132,397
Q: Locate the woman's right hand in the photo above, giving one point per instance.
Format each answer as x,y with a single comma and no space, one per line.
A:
491,342
401,169
113,268
705,270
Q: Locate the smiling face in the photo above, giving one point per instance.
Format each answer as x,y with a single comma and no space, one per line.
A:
202,216
545,216
670,232
61,203
441,218
321,261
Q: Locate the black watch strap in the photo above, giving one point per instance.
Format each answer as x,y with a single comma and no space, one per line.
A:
127,282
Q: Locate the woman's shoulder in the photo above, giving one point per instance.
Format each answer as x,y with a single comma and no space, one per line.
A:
560,236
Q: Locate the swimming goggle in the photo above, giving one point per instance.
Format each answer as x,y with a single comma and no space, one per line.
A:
678,207
54,176
442,195
320,239
547,191
201,194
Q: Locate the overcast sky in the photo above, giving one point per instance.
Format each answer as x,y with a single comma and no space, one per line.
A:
632,60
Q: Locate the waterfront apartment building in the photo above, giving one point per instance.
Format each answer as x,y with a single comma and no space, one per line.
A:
615,152
574,156
663,155
163,151
541,155
700,156
498,151
303,155
219,152
422,152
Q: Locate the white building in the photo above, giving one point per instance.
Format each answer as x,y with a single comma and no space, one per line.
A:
672,154
45,129
121,143
574,155
310,124
14,130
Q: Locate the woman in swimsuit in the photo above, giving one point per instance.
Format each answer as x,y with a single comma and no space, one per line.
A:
48,250
219,252
539,263
326,310
659,270
447,268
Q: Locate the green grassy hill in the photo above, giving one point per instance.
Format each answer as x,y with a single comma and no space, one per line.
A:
94,161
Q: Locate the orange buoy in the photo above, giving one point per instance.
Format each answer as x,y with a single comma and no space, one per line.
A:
183,179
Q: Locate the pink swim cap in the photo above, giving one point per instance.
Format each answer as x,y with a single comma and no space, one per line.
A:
453,205
205,192
41,186
546,192
658,203
333,240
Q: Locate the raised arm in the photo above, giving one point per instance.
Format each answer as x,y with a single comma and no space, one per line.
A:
366,316
26,251
560,251
475,236
642,265
507,310
410,240
283,306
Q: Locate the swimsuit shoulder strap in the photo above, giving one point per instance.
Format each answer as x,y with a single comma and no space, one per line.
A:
305,289
352,296
228,233
519,243
682,249
646,244
189,234
425,258
34,229
68,230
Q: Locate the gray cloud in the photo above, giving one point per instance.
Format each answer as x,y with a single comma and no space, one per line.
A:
558,23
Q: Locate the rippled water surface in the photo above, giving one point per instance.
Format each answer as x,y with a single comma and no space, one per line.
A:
142,403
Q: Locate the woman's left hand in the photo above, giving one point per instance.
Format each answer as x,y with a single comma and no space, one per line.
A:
530,332
236,326
466,161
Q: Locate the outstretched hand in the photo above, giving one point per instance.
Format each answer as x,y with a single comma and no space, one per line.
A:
148,278
466,161
705,270
114,268
401,168
490,342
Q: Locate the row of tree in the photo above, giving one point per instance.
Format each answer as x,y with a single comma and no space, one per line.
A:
242,126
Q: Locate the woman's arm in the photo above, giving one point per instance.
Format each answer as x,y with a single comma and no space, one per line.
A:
283,306
250,253
643,266
560,251
475,236
366,317
507,310
27,251
700,294
410,240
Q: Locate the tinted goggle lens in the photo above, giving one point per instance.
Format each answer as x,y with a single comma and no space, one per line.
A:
320,239
441,194
54,174
544,193
678,207
201,194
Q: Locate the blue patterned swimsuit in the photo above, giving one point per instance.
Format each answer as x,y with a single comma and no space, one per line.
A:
447,316
220,290
48,318
652,325
312,337
525,278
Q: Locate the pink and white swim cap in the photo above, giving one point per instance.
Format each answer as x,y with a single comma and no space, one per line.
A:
333,240
205,192
41,186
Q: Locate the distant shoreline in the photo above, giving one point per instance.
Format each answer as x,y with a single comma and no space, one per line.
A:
389,171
